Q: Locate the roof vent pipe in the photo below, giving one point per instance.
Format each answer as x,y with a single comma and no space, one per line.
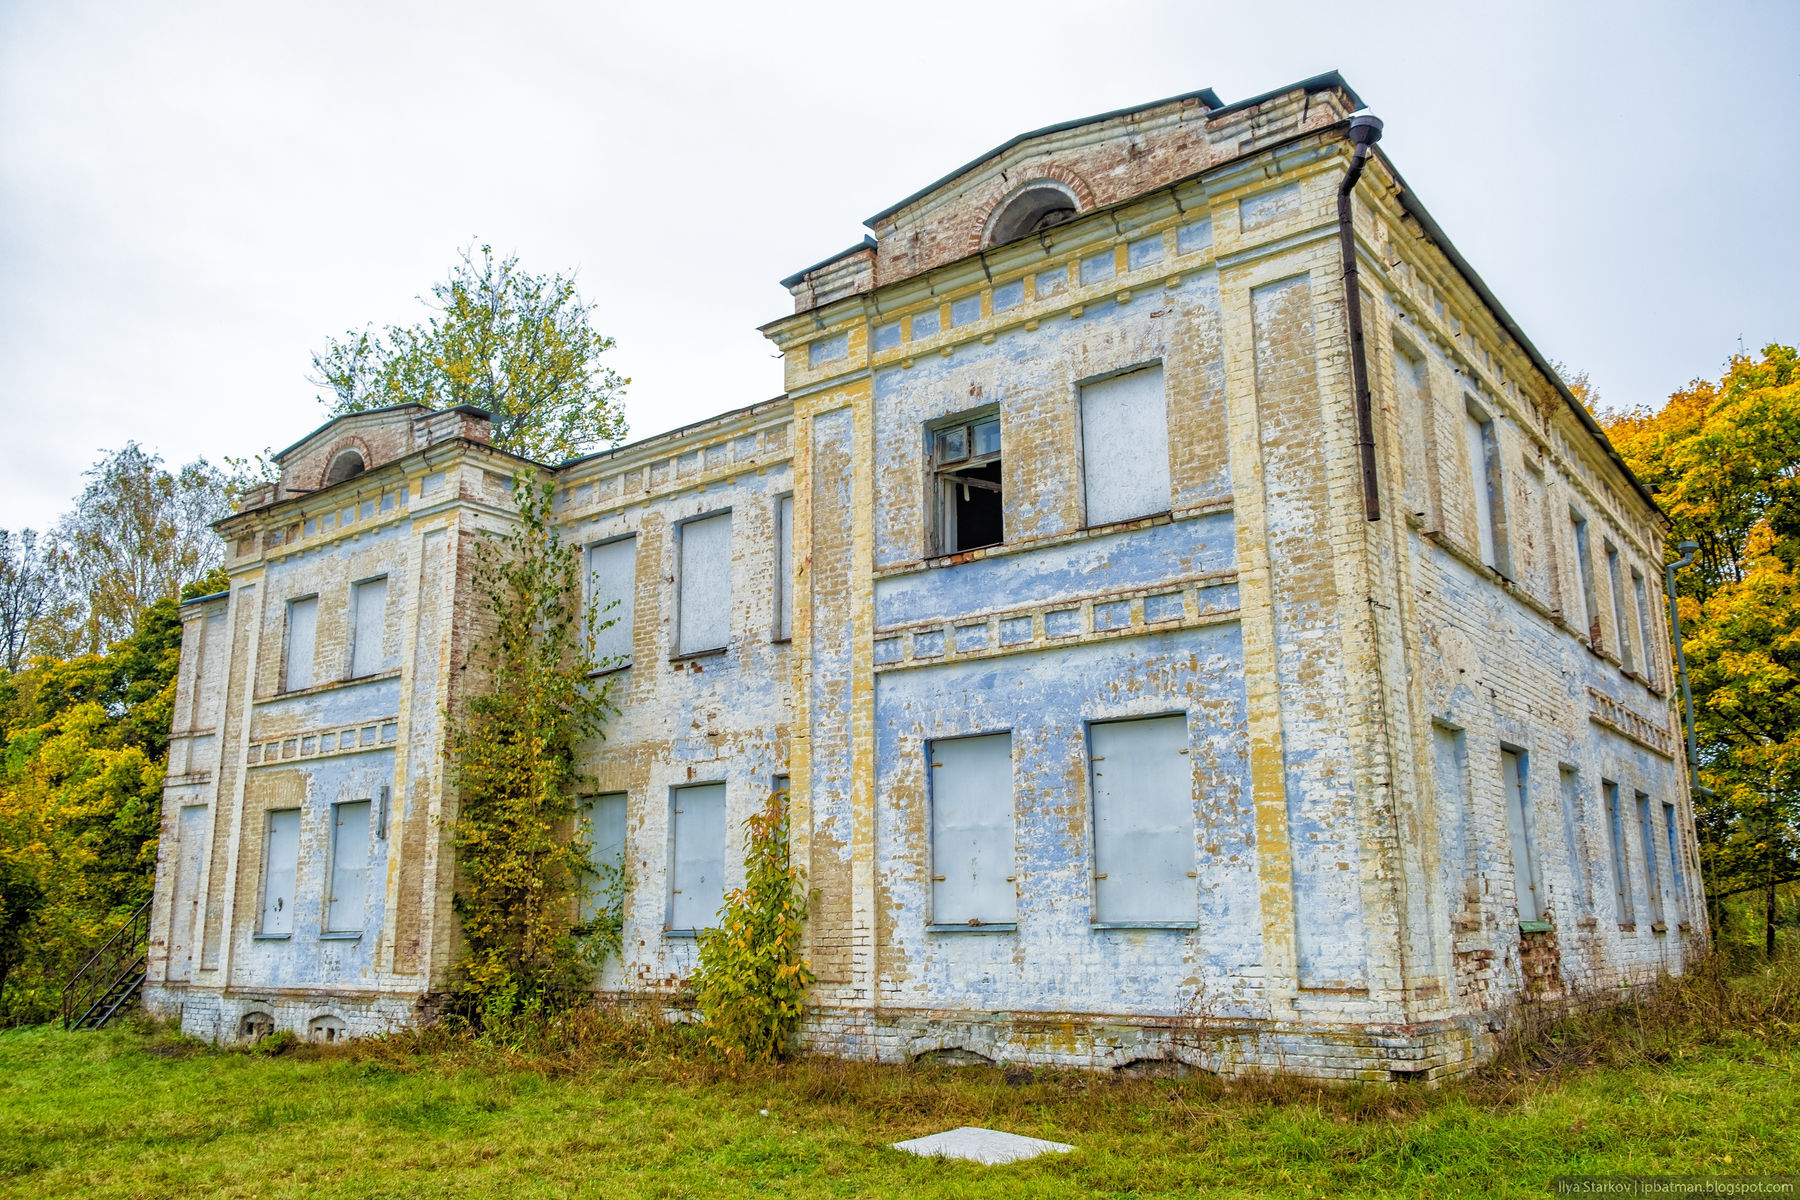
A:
1365,131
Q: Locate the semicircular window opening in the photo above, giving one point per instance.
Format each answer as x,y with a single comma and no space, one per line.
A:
1037,206
346,465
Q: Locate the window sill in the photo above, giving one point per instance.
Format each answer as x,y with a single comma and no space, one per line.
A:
694,654
1659,927
1536,927
1143,924
988,927
1686,928
332,685
685,934
271,937
1627,926
930,562
341,936
603,672
1126,524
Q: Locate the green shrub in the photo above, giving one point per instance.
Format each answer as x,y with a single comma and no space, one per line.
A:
753,976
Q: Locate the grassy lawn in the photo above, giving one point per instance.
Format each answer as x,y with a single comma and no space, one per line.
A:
1695,1084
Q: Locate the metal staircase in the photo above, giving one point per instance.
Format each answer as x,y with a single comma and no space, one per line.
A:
109,982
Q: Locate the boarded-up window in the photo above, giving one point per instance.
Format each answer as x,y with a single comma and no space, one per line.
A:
1451,775
605,816
184,908
1653,881
1412,383
1621,623
784,568
369,602
972,831
1572,818
697,880
1587,609
281,862
1484,474
1125,446
1674,843
349,867
1519,825
1615,833
302,627
1646,635
1144,836
612,587
704,620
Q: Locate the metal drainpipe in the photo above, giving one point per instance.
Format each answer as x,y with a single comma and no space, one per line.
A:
1365,131
1687,697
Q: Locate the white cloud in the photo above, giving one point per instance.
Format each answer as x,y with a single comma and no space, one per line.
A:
194,196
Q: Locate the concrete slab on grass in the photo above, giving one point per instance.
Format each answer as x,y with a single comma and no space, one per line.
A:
988,1146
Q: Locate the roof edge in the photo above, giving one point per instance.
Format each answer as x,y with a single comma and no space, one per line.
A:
868,243
466,409
1410,202
1206,96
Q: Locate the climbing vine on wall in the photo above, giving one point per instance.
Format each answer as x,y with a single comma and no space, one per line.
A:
522,853
753,976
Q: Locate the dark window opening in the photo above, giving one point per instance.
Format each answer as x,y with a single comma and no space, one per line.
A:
966,458
1039,207
347,465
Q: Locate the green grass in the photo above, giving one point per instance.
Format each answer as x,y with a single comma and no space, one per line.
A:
1701,1080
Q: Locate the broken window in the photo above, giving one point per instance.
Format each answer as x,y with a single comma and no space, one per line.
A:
1621,627
281,862
254,1026
369,610
349,867
784,568
1519,825
612,588
1125,446
1144,837
1646,639
972,831
1653,882
302,628
697,881
1674,841
966,460
1615,832
704,617
605,816
1484,473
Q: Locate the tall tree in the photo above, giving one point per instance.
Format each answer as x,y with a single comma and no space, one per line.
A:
26,590
136,534
519,345
1725,459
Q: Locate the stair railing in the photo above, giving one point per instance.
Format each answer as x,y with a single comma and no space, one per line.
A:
123,954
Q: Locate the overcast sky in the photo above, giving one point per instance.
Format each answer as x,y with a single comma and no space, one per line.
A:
194,196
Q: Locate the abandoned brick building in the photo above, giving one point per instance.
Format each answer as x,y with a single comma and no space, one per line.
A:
1143,694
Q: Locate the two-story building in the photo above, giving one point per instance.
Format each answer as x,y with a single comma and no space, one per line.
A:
1170,661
